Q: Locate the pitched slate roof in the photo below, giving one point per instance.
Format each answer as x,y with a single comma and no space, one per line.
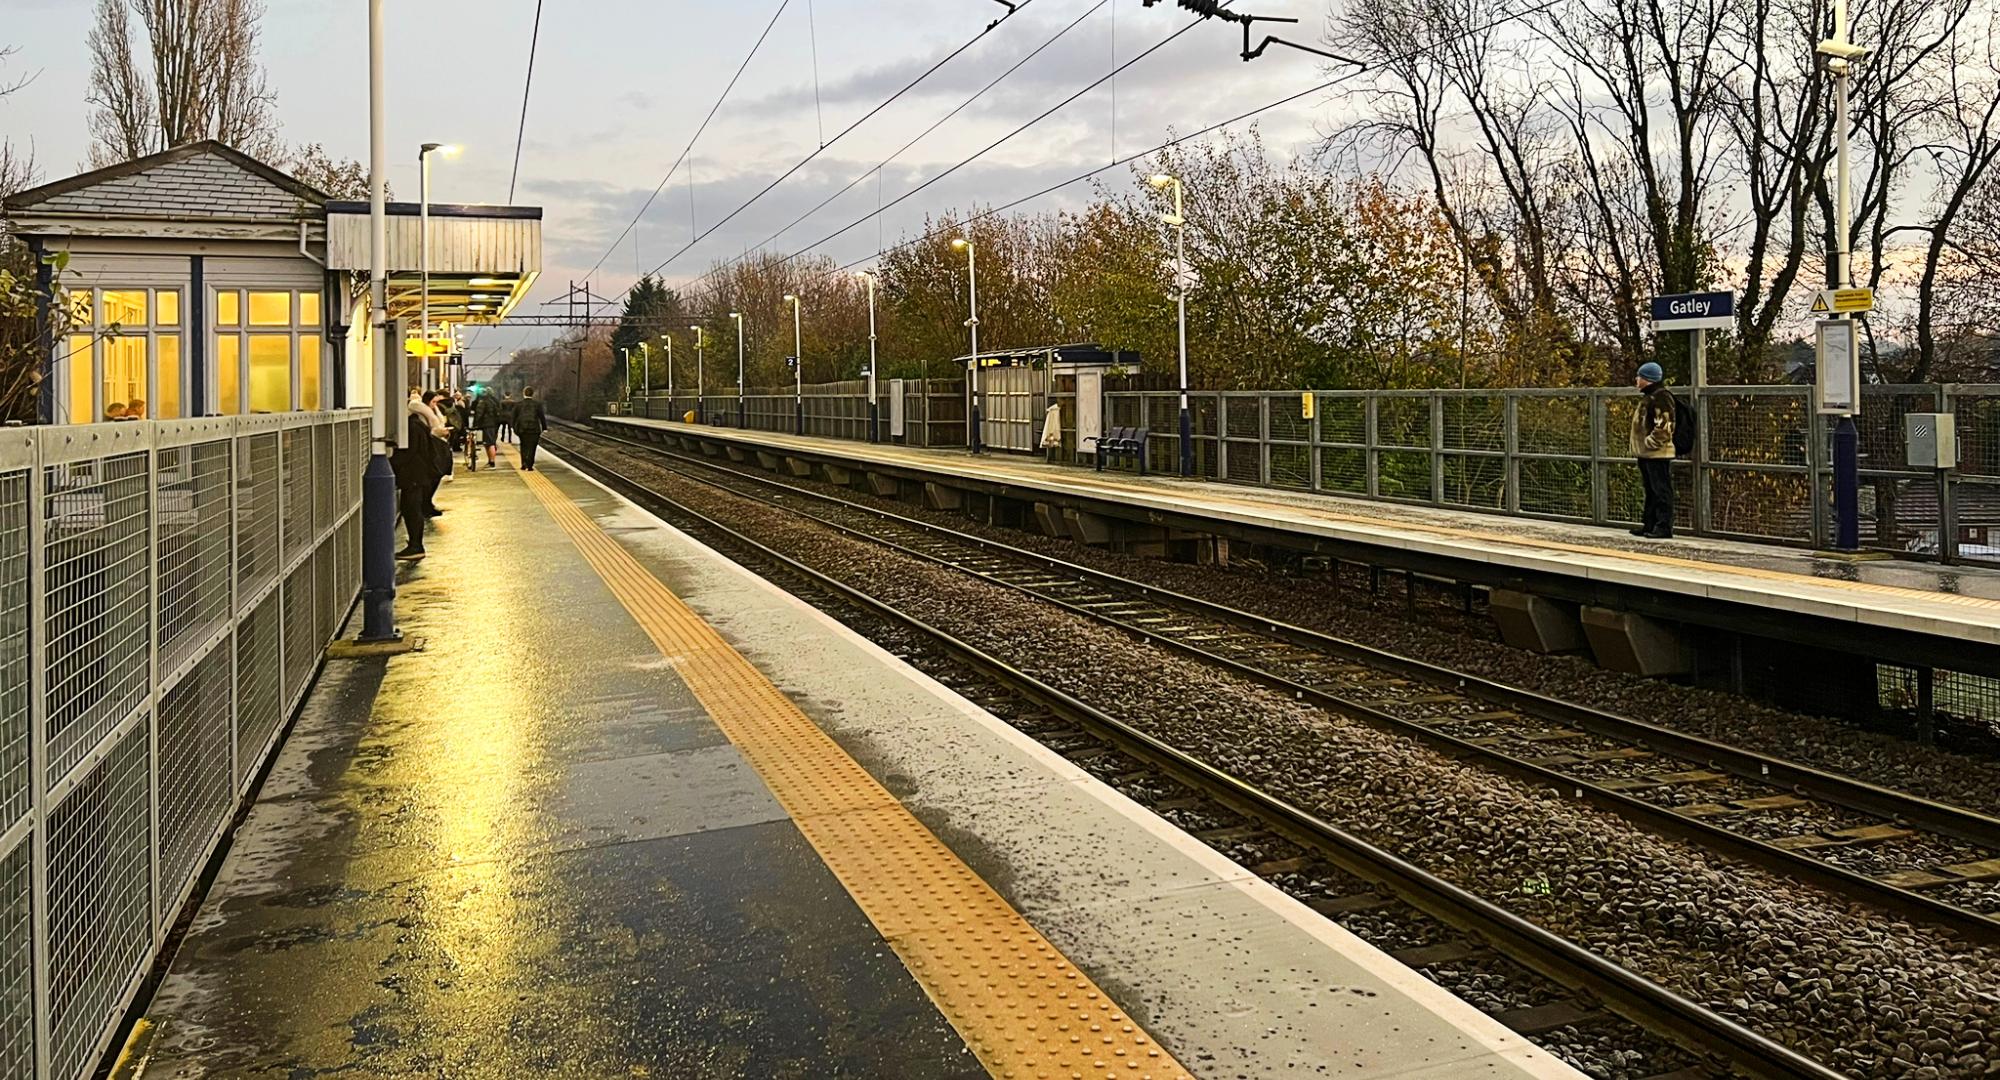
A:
200,180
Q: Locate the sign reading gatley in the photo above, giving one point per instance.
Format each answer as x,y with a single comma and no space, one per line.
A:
1695,311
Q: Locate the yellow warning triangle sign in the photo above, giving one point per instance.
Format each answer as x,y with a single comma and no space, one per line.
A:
1820,306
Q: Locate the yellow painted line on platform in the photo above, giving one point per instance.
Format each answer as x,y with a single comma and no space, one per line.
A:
1281,513
1018,1003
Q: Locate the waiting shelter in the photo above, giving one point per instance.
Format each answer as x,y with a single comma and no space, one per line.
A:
200,281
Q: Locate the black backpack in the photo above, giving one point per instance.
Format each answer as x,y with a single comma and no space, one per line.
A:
1685,427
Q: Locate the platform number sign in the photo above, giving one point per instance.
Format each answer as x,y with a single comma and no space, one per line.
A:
791,363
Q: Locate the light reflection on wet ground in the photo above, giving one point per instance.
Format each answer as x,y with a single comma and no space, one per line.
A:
537,857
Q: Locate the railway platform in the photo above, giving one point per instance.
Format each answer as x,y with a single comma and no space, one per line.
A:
632,811
1920,614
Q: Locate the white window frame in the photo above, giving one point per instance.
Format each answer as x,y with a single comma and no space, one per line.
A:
243,331
98,331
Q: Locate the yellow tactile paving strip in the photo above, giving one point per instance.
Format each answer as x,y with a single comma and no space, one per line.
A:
1019,1004
1279,513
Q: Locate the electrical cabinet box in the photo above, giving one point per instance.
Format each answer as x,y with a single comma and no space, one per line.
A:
1932,439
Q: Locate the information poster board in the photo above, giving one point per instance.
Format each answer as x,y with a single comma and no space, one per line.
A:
1838,384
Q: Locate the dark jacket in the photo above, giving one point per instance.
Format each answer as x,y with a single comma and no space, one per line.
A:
418,464
530,416
486,414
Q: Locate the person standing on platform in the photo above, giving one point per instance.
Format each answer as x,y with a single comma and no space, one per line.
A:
507,406
416,468
530,417
434,400
1653,446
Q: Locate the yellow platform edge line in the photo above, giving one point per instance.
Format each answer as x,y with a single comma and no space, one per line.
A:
1022,1008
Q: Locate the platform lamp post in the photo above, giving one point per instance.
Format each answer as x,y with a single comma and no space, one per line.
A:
874,413
738,316
972,293
798,369
378,484
700,411
669,339
1178,219
627,354
645,369
1838,55
424,251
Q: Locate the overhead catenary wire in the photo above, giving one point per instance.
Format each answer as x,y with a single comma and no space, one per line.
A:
842,133
527,86
712,110
877,170
1170,143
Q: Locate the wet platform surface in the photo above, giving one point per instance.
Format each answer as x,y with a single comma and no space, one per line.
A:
539,847
526,851
1898,594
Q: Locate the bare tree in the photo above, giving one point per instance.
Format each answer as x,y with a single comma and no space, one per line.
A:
190,73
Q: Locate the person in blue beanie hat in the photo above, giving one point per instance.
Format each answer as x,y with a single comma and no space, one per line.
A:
1653,446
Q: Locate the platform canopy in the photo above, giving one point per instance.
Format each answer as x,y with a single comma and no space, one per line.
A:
483,259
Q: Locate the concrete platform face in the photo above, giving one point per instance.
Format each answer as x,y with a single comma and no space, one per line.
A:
1952,601
526,851
1232,975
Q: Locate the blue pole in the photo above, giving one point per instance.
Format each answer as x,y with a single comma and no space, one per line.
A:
1846,485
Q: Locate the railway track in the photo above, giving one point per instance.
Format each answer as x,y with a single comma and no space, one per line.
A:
1556,988
1897,851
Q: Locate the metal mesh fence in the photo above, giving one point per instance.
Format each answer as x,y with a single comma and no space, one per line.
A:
95,622
296,469
259,682
99,901
120,549
196,790
17,963
14,617
300,651
257,551
192,516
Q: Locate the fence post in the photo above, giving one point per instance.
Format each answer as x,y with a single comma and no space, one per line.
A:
38,757
1222,437
1600,469
1264,439
1510,444
1948,489
1370,456
1437,448
1704,495
1312,444
1815,463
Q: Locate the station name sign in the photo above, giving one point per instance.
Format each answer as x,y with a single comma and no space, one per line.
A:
1695,311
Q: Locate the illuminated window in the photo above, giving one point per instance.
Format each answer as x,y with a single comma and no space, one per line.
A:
167,307
167,357
125,307
308,371
124,363
270,372
228,375
228,308
82,407
270,309
309,309
79,308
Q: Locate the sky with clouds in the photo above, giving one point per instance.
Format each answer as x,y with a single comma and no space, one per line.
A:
621,86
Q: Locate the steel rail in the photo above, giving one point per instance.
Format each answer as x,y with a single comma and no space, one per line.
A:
1829,788
1628,993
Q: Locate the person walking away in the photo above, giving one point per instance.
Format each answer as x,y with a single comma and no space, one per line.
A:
507,406
1052,431
1653,446
416,468
487,416
530,417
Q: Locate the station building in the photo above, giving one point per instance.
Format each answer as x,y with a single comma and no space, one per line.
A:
203,282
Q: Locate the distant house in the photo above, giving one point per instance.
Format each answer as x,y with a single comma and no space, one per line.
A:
203,282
